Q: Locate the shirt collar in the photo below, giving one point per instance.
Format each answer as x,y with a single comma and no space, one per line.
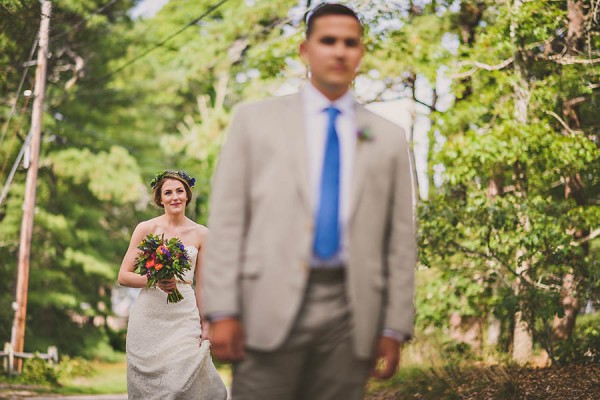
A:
315,102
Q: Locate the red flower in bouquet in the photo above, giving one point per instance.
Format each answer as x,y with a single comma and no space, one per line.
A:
162,259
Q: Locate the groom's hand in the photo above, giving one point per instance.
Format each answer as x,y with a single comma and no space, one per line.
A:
387,357
227,339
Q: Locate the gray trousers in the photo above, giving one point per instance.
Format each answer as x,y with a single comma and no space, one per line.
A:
317,360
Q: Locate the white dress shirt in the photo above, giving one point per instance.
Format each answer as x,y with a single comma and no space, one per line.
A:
316,122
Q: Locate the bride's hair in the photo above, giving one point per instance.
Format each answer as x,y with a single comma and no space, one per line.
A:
181,176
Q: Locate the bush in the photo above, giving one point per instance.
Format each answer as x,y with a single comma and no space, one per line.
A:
39,371
584,343
454,352
72,367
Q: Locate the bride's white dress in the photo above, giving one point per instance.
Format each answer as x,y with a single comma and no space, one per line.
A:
165,356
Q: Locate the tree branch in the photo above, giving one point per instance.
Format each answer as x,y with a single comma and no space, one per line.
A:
563,123
569,60
472,252
523,276
479,65
593,234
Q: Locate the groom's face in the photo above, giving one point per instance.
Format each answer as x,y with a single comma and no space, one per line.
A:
333,52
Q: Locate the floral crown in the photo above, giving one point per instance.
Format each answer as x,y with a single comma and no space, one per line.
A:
166,174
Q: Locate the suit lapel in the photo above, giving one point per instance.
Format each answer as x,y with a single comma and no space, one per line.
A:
361,158
293,120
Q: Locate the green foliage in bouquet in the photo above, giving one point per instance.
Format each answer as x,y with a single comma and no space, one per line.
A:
162,259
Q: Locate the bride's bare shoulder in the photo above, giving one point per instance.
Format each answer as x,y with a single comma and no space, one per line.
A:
148,226
200,232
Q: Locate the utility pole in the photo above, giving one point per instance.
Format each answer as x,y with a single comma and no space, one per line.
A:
18,328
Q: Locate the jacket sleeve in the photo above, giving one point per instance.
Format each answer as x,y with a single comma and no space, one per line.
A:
401,249
227,223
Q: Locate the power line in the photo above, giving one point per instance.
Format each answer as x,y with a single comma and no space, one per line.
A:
13,170
12,112
210,10
143,54
14,105
160,44
10,146
77,25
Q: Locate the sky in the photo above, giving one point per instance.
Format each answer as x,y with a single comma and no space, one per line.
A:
147,8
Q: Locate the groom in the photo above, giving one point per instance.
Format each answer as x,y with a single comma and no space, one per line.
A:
309,266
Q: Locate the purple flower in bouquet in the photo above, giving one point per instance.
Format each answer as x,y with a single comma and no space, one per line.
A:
162,259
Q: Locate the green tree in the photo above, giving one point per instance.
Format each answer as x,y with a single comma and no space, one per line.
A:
122,102
185,89
510,224
87,182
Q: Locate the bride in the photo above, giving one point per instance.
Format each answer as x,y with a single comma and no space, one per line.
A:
167,357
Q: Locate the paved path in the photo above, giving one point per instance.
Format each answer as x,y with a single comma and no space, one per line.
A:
20,395
87,397
16,395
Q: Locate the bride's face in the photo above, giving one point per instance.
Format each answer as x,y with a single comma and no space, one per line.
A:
173,196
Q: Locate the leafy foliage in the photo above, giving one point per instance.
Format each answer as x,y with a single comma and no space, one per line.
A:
519,187
513,153
37,370
86,189
584,345
112,118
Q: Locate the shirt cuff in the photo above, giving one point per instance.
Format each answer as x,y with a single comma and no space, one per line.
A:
397,336
218,316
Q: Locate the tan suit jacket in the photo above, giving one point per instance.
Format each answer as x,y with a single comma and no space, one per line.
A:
261,227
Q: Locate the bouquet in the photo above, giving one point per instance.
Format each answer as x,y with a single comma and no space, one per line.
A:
162,259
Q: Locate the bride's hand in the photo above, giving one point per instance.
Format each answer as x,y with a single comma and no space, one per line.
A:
167,285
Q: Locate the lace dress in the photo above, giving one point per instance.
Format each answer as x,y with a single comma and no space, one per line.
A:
165,356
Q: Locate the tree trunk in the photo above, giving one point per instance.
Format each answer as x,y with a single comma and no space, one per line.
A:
495,188
562,327
522,336
522,340
412,82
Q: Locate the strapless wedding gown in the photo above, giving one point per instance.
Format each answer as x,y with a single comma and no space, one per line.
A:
165,356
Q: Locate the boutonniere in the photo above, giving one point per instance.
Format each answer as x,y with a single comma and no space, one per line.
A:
364,134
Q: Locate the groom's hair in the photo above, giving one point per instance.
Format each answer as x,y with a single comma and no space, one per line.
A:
324,9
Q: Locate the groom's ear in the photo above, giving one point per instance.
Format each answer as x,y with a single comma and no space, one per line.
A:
302,51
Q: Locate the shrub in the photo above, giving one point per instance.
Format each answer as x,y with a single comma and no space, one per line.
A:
39,371
77,366
584,343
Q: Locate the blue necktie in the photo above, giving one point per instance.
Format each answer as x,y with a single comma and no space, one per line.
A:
327,235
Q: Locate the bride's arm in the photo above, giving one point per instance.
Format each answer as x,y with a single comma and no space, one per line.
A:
126,275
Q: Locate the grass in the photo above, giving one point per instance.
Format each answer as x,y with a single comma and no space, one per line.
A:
107,378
